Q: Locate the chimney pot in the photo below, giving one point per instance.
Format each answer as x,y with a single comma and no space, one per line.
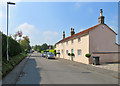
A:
63,34
101,18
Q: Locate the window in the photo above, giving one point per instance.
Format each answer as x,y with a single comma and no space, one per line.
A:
62,51
58,51
72,51
72,41
67,52
79,39
67,43
79,52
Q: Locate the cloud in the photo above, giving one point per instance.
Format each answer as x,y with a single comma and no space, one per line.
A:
50,36
30,31
27,29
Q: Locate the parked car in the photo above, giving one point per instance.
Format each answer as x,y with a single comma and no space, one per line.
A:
50,55
44,54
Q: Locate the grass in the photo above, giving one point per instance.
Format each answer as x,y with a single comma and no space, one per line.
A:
8,66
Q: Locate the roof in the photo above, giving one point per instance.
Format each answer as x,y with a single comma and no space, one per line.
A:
82,32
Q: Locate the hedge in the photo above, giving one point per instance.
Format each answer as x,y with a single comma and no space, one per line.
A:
14,47
8,66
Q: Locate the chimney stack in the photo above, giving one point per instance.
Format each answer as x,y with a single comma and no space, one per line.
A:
72,31
101,18
63,34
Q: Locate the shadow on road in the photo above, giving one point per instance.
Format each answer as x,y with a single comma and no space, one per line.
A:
30,74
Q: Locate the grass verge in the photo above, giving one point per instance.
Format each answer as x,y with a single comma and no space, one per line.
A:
8,66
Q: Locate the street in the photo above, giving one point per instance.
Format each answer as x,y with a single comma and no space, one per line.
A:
39,70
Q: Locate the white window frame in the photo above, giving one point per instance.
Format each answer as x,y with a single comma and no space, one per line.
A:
79,40
67,52
62,51
72,41
58,51
79,52
66,42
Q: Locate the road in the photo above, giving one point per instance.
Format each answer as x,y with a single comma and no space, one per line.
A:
39,70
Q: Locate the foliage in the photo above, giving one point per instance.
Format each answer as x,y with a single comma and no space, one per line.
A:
69,54
54,46
35,47
25,43
53,51
42,51
14,47
88,55
8,66
19,33
58,53
72,54
40,48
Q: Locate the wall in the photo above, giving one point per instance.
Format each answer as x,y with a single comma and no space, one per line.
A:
83,45
103,40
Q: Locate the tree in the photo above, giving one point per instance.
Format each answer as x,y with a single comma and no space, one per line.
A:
15,36
25,43
40,48
18,34
54,46
35,47
44,46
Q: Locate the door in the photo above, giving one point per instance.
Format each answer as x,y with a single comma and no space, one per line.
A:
72,51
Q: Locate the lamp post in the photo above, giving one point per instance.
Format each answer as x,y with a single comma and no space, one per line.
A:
11,3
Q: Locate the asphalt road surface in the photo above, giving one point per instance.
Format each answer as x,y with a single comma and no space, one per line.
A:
39,70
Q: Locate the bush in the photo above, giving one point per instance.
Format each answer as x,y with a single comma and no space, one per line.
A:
88,55
72,54
42,52
58,53
8,66
68,54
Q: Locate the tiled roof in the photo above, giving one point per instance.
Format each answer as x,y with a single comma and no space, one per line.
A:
82,32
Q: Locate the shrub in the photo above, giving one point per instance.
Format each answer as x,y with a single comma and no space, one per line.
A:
88,55
8,66
58,53
72,54
69,54
14,47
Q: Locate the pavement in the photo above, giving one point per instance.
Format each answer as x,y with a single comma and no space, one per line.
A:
15,72
39,70
109,66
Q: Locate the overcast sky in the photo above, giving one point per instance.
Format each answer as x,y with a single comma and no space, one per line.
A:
44,22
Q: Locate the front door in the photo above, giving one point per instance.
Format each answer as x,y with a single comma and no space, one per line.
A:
72,51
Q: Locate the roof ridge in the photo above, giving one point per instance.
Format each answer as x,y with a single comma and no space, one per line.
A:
79,33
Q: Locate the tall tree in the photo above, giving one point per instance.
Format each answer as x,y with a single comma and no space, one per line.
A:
25,43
